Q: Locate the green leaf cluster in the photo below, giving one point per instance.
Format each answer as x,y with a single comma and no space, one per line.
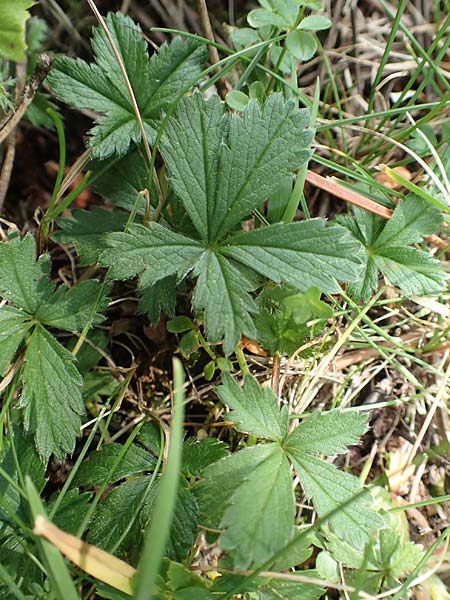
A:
221,168
100,86
51,400
273,18
245,493
388,249
387,558
286,319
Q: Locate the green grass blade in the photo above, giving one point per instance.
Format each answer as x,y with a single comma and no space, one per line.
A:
59,577
297,196
157,533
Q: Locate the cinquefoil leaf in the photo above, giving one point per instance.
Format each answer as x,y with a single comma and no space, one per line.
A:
100,86
304,254
387,249
254,409
159,296
198,454
327,433
51,396
26,283
116,517
337,497
222,166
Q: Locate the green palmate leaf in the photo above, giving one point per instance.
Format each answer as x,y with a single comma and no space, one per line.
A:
296,553
327,433
222,292
13,17
23,281
254,409
387,249
71,309
155,250
179,583
388,553
250,534
283,319
14,325
304,254
337,497
222,166
51,396
100,85
99,467
307,306
26,283
368,283
85,229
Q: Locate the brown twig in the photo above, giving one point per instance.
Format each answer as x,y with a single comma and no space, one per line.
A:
13,117
213,54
